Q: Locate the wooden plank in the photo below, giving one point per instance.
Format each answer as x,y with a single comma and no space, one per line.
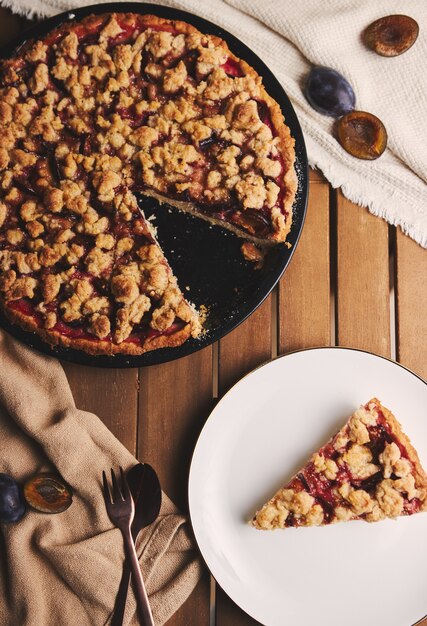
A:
174,401
363,300
246,347
411,301
316,176
304,290
10,26
239,352
229,614
110,393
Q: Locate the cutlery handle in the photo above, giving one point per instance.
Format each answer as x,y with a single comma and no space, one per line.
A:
119,607
138,582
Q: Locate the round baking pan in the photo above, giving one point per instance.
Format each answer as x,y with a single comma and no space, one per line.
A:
206,259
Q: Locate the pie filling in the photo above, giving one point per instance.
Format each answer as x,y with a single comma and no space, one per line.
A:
140,333
322,489
116,105
366,471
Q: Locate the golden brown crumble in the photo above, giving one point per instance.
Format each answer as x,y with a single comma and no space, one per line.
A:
22,288
124,288
394,489
40,79
50,319
100,325
251,191
79,133
129,315
3,213
97,261
51,286
69,46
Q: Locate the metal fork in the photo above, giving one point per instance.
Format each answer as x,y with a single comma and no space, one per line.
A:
121,510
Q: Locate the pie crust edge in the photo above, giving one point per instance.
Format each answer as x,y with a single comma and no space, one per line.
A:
96,346
396,428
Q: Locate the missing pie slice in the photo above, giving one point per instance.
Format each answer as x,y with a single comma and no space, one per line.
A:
368,471
97,111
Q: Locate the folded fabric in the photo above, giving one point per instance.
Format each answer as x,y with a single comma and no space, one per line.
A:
291,37
65,569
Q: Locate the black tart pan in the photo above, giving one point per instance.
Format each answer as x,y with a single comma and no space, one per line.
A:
206,259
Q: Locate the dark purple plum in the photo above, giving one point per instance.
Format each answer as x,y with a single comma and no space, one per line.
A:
12,503
329,92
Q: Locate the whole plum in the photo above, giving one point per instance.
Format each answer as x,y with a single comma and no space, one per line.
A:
12,503
329,92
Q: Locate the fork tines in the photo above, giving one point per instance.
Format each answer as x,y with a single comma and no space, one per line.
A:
119,492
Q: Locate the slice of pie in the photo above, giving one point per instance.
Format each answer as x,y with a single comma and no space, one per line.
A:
108,292
98,111
368,471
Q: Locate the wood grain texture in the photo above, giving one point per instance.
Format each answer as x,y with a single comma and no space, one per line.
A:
241,351
229,614
304,290
246,347
316,176
174,401
411,304
111,394
196,610
11,26
363,300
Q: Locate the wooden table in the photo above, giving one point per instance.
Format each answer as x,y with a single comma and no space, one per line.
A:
353,281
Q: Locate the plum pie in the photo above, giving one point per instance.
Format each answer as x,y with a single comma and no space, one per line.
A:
98,113
368,471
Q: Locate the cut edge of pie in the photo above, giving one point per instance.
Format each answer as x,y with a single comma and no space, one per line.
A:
368,471
185,325
61,83
98,346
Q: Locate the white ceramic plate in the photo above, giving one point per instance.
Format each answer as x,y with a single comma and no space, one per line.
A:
258,435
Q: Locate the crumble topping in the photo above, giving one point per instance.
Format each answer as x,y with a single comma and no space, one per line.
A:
112,105
341,482
100,325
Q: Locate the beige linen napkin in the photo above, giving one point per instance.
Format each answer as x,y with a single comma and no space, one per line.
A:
64,569
292,36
